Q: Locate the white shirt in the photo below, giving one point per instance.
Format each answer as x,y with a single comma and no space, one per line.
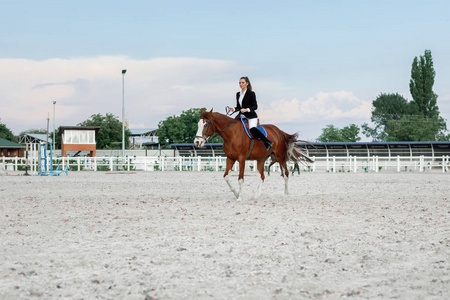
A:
241,96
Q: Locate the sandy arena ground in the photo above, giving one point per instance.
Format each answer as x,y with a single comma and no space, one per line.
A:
182,235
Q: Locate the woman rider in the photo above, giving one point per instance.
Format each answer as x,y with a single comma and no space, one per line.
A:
247,105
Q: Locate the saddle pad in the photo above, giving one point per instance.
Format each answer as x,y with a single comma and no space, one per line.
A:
248,132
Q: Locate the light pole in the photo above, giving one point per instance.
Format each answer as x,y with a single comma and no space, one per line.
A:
53,140
123,113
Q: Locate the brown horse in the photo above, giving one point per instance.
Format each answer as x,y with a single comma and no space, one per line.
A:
236,145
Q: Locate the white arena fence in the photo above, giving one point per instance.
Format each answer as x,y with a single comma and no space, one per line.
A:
217,164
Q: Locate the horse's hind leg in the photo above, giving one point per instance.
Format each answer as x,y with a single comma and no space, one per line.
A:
284,169
272,162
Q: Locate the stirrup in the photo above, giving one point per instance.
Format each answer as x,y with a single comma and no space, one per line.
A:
268,145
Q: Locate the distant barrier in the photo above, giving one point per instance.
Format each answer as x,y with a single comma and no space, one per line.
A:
217,164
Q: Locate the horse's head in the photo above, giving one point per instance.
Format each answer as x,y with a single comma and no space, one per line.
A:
205,128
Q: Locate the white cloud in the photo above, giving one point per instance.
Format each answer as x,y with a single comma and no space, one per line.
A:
444,98
323,106
154,88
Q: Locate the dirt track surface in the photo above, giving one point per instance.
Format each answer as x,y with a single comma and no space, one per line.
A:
182,235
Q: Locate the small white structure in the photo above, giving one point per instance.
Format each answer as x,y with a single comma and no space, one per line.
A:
78,138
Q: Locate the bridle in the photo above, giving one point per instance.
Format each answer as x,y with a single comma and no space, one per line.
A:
207,129
209,124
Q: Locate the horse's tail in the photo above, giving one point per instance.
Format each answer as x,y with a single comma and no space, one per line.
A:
296,153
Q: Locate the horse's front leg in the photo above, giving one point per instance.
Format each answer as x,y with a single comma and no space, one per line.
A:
241,177
230,163
260,167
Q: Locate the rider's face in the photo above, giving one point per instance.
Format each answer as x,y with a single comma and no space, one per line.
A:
243,84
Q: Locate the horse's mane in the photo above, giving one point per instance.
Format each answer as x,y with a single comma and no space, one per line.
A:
215,113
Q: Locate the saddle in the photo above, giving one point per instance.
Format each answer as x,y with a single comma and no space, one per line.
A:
245,124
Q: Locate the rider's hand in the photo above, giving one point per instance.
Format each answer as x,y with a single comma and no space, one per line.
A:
244,110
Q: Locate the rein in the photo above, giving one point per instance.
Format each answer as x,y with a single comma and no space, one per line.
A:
210,123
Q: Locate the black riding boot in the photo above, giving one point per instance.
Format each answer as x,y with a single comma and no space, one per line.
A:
257,134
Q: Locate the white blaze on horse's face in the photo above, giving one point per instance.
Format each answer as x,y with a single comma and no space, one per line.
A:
199,140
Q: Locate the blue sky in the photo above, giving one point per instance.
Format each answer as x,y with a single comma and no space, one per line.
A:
311,63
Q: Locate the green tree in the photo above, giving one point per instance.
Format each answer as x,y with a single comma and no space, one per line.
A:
387,109
421,86
330,134
182,129
425,100
34,130
333,134
396,119
350,133
110,134
416,128
6,133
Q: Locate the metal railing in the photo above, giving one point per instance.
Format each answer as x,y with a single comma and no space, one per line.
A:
217,164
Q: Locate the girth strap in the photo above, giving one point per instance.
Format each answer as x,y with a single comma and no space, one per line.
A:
252,144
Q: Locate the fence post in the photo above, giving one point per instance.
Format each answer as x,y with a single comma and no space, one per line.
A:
47,163
398,163
421,163
32,168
